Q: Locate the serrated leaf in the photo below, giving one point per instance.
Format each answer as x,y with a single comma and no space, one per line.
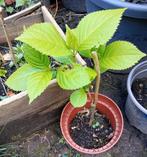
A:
71,39
37,83
78,98
45,38
97,28
120,55
3,72
75,78
35,58
18,80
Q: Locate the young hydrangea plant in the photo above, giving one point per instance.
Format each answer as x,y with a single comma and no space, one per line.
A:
42,42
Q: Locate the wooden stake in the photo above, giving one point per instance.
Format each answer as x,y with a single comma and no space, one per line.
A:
7,38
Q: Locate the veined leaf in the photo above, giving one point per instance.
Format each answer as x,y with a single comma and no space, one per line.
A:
97,28
75,78
71,39
35,58
37,83
66,59
78,98
18,80
120,55
45,38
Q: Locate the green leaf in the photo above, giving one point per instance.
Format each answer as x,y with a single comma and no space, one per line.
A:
3,72
66,59
97,28
18,80
78,98
37,83
9,9
71,39
86,53
120,55
75,77
19,3
45,38
2,3
35,58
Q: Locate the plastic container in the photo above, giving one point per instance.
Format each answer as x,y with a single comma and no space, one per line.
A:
135,112
75,5
105,106
133,26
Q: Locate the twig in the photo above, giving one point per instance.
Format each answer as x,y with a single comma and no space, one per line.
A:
56,10
7,38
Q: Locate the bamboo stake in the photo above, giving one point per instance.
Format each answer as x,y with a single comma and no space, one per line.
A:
7,38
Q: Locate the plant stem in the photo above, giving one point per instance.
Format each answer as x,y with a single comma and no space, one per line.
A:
97,85
7,38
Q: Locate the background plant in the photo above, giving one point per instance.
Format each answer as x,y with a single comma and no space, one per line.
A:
42,44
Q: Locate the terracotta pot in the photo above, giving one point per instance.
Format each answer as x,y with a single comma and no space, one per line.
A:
105,106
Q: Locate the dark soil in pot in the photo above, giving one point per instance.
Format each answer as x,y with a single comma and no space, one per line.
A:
139,89
137,1
95,136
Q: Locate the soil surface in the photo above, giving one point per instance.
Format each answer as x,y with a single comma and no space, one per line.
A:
137,1
95,136
139,89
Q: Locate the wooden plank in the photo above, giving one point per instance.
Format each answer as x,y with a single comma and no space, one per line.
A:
15,27
20,118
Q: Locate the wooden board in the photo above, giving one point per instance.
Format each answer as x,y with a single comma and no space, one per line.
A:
16,23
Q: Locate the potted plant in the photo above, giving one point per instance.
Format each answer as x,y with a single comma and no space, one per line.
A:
136,105
95,111
133,26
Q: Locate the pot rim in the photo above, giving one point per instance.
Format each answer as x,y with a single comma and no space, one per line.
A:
133,10
117,133
129,84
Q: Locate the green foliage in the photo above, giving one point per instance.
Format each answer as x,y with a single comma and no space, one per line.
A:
44,38
78,98
35,58
18,80
75,77
92,34
2,2
71,39
38,82
2,72
97,28
9,9
119,55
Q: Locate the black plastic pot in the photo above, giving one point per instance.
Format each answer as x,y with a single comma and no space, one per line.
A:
75,5
136,113
133,26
